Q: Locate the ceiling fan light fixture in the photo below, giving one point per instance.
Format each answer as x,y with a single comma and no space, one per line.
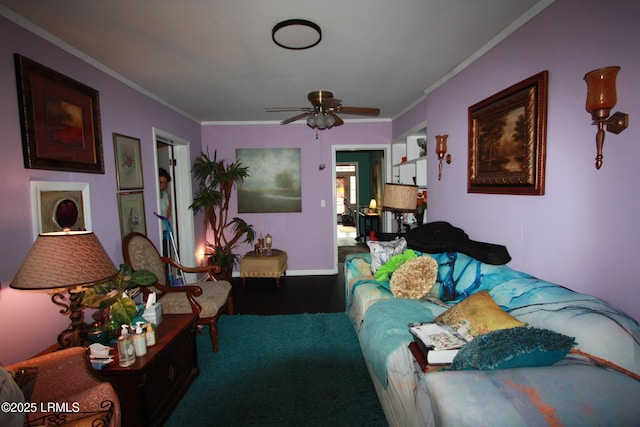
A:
296,34
330,120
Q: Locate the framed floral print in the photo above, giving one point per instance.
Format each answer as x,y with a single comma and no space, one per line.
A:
131,213
128,160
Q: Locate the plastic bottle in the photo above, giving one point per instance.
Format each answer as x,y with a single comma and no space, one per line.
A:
139,340
126,352
150,335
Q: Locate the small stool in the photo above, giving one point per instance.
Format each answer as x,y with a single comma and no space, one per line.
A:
270,264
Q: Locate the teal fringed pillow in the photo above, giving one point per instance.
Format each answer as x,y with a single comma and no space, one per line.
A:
513,348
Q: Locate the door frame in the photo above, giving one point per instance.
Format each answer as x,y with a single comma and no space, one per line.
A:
386,148
184,197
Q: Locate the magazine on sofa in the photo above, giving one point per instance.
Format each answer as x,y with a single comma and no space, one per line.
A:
439,342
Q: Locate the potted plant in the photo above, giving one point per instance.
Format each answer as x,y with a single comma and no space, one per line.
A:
114,299
216,180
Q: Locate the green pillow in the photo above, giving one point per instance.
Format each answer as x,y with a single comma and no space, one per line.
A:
385,271
513,348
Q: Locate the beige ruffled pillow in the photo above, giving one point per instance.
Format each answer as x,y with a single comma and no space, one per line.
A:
414,278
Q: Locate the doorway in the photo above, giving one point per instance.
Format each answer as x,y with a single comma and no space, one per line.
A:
174,154
359,186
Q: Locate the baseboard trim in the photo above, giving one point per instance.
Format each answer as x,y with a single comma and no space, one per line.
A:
303,272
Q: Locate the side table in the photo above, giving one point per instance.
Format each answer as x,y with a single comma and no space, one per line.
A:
151,388
270,264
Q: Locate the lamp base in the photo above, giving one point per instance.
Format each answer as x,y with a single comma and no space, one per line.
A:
76,334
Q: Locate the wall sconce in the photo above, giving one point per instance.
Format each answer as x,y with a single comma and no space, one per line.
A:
441,150
601,98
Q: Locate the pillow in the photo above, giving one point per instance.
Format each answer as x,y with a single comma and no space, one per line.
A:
385,271
513,348
478,314
414,278
381,252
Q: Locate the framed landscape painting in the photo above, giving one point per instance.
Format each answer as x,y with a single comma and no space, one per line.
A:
59,119
507,140
273,184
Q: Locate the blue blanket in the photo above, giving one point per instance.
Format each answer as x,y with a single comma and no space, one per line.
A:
385,329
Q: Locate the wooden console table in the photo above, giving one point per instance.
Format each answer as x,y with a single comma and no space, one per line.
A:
151,388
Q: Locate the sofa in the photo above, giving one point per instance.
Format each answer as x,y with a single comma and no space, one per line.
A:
58,388
595,382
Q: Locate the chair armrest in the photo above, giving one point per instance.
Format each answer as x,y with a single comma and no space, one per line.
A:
53,381
209,269
190,291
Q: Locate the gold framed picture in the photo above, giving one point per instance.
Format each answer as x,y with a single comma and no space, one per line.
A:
507,140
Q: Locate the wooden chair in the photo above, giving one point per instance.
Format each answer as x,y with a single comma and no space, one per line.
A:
209,298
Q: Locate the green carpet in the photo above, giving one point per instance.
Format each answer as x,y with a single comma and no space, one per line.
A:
286,370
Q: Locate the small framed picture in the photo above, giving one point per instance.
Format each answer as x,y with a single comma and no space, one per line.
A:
128,160
60,205
131,212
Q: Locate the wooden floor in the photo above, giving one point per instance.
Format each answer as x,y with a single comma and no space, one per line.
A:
295,295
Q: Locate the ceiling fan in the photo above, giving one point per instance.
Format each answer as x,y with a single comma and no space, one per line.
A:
323,113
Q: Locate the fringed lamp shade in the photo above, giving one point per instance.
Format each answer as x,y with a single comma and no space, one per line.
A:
64,260
400,197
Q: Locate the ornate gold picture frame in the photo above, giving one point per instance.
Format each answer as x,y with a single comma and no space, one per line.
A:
507,140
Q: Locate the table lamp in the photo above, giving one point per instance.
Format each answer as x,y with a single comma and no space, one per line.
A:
66,261
400,198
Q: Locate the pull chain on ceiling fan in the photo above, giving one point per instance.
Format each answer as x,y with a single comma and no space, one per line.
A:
323,113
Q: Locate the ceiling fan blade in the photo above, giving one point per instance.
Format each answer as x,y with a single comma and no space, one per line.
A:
284,109
362,111
294,118
331,102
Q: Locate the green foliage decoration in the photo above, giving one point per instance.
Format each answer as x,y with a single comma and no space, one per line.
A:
114,295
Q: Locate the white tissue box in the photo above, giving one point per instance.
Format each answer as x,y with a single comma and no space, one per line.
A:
153,314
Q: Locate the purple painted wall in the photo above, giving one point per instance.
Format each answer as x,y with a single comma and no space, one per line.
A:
29,321
307,236
583,233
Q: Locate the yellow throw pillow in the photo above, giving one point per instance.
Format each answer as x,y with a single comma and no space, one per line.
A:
414,278
479,314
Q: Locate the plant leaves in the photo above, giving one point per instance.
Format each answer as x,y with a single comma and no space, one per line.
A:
99,297
123,311
143,278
